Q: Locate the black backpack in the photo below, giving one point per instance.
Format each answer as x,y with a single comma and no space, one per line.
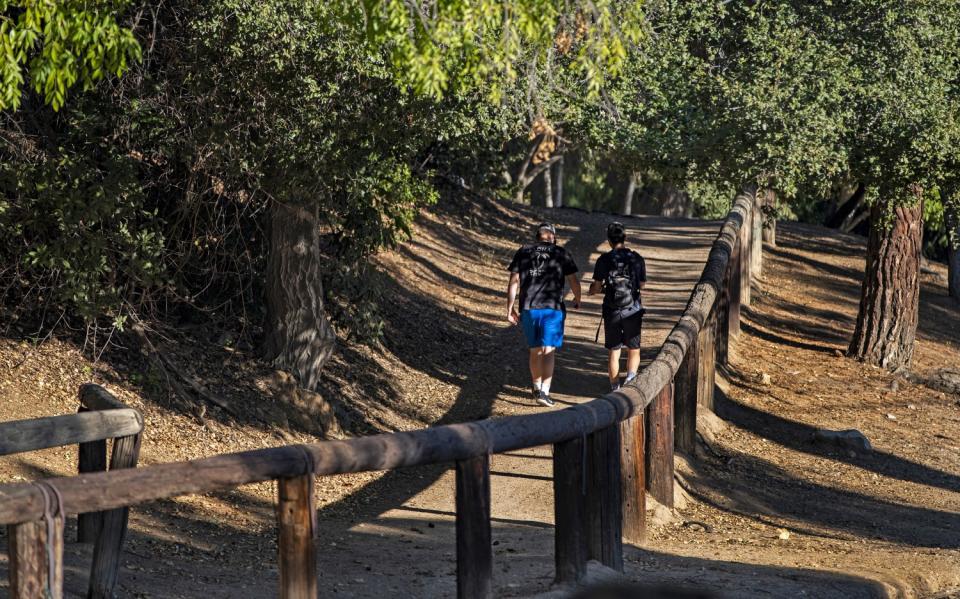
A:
619,285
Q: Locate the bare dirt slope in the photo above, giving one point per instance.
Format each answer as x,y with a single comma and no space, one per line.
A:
855,525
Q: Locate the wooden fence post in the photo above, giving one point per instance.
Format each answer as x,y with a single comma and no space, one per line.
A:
745,239
685,389
295,517
474,543
569,509
736,292
105,569
604,518
721,308
706,361
756,258
659,450
633,477
28,547
92,458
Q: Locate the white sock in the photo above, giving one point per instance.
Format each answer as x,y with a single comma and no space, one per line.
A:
537,385
545,387
630,377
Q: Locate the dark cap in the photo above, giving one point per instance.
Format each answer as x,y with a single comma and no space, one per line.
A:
547,226
616,231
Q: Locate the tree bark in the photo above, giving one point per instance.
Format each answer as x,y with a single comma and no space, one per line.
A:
953,274
628,197
769,215
526,177
548,188
890,295
298,336
952,217
558,201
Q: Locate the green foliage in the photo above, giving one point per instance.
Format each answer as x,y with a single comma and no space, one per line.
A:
444,45
54,45
76,228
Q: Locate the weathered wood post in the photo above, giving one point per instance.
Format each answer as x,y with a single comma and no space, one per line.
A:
30,553
745,241
706,361
722,309
659,446
105,569
604,518
756,245
297,550
92,458
685,389
474,543
735,284
569,510
633,477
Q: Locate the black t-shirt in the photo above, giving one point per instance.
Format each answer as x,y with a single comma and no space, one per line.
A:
632,264
542,268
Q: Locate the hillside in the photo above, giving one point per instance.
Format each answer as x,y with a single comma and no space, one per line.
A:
768,512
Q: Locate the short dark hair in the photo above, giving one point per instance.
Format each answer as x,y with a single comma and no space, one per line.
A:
545,227
616,233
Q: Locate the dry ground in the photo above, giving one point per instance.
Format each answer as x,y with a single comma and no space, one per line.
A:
867,524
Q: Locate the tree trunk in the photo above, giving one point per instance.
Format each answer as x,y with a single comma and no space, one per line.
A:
548,188
558,202
769,216
628,198
953,273
298,336
890,296
951,209
846,199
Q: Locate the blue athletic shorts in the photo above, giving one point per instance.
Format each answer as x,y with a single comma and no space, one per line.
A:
543,328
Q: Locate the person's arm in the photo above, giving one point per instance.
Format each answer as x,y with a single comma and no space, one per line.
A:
575,287
642,274
512,316
600,272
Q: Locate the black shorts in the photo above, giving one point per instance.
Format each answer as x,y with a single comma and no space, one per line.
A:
621,330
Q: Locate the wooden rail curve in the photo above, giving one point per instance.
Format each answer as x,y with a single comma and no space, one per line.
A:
606,443
31,543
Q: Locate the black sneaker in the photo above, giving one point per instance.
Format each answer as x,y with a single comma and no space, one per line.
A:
544,400
534,392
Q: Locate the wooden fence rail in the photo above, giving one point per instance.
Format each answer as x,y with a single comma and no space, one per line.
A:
36,545
606,451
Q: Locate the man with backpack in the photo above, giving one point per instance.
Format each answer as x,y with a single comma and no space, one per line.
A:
537,272
620,274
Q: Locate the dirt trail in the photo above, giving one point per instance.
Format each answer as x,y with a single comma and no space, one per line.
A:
417,525
770,514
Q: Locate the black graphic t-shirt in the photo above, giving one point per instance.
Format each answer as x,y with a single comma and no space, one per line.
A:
542,268
632,265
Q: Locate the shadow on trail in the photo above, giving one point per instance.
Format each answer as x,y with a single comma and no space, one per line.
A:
581,363
412,555
799,437
757,488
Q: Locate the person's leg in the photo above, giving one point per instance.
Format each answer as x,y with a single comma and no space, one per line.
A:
633,363
631,339
536,372
613,366
529,319
613,333
547,359
552,339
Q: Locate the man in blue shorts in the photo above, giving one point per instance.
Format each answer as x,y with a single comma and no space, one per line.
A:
620,274
538,271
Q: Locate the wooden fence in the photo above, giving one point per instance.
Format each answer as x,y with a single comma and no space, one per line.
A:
607,453
34,546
